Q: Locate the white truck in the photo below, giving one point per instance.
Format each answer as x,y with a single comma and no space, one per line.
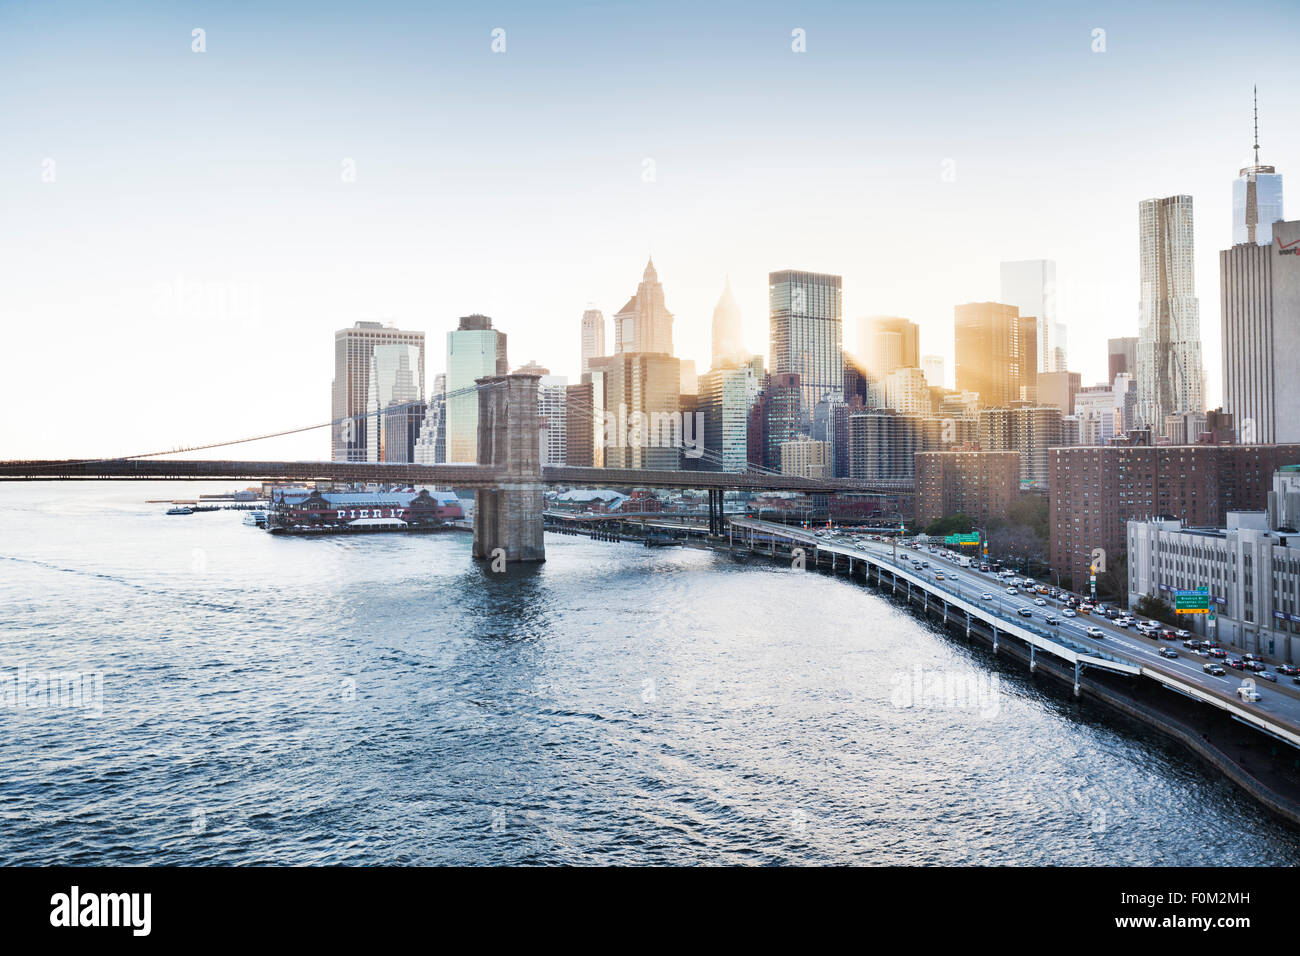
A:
964,561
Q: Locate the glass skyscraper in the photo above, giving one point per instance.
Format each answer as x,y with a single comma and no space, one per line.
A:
394,403
1256,199
806,324
474,350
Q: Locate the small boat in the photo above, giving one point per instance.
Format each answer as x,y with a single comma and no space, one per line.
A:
256,518
180,511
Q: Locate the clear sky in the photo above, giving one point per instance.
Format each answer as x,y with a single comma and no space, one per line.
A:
181,277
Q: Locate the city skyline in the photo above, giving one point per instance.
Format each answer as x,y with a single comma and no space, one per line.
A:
227,245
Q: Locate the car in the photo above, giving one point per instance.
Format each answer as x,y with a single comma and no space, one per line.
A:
1193,644
1040,602
1024,612
1256,666
1212,668
1168,652
1095,632
1012,591
1266,675
1202,652
1052,619
1248,694
986,596
1251,657
1290,670
1069,612
939,576
1042,589
1123,622
1296,679
1235,663
925,564
1112,613
1218,652
1181,633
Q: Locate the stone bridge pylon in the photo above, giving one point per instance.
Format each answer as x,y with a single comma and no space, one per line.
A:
509,516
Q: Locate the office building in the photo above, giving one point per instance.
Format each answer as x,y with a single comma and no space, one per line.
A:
987,345
1170,374
593,337
350,391
887,342
980,484
431,445
644,324
774,418
1094,490
553,408
474,350
806,326
1059,390
1121,356
728,330
725,397
394,403
933,367
642,402
906,391
1030,285
579,428
1260,309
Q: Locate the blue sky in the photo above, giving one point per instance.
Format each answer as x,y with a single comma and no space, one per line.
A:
184,272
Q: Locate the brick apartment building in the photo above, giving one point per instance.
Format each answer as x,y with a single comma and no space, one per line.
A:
980,484
1095,490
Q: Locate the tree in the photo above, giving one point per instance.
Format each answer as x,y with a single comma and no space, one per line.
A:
950,524
1153,607
1113,582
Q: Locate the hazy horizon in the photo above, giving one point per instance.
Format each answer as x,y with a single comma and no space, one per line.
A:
513,184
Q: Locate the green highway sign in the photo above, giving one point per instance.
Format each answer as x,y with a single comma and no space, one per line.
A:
962,538
1192,602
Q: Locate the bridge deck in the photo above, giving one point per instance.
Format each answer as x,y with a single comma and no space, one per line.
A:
460,476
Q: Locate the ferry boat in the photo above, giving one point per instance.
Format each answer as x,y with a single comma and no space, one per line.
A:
256,518
180,510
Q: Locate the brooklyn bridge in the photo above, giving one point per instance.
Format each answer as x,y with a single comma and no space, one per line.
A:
509,478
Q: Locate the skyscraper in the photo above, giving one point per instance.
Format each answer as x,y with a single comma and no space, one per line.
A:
1121,356
987,349
887,342
474,350
933,367
1256,198
642,394
394,403
431,446
728,330
644,324
1030,285
593,337
1170,375
806,325
350,393
725,397
1260,307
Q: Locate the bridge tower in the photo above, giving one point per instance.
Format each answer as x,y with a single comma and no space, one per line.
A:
509,516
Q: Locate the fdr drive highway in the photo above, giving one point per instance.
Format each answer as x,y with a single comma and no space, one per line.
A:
984,597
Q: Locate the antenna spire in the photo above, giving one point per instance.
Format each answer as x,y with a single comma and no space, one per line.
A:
1256,90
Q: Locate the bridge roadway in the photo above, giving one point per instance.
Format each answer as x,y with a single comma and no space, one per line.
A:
458,476
1277,712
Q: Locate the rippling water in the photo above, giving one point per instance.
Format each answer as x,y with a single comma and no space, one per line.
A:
383,699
